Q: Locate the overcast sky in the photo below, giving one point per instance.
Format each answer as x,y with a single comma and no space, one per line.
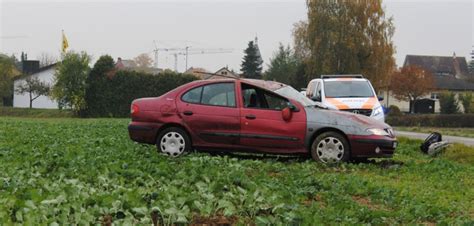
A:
128,28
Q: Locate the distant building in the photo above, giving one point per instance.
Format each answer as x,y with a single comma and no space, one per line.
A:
450,74
202,73
130,65
198,72
44,74
224,73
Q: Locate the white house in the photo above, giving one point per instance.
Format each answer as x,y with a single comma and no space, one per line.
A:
44,74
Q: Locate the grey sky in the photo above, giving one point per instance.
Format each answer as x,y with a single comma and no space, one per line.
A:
128,28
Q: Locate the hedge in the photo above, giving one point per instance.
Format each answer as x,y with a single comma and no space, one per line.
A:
35,113
113,94
432,120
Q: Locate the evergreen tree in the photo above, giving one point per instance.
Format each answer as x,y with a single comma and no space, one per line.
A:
448,103
283,66
252,62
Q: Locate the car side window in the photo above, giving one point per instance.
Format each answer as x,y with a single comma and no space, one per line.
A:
254,97
275,102
222,94
317,94
193,96
309,90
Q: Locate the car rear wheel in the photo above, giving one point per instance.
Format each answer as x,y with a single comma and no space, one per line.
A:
330,147
173,141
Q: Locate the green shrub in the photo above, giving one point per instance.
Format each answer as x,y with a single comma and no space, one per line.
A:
466,100
394,111
448,103
432,120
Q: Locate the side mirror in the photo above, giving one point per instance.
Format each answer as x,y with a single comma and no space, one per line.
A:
380,98
286,114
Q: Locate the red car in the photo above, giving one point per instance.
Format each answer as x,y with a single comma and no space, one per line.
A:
255,116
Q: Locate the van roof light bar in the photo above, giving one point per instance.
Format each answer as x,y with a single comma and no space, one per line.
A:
341,76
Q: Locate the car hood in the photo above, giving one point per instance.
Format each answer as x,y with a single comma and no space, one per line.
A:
341,118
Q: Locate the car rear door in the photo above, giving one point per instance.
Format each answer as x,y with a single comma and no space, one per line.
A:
210,112
262,125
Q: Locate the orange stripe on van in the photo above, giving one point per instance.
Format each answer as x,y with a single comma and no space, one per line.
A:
339,105
369,104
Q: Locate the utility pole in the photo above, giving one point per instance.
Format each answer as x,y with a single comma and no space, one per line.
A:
187,48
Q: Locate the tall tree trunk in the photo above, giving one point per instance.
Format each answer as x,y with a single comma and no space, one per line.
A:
31,101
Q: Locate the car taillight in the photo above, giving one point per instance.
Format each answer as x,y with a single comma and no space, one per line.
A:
134,109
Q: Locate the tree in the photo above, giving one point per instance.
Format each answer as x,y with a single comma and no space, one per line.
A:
46,59
411,83
143,61
252,62
7,73
448,104
34,87
347,37
97,96
70,80
283,65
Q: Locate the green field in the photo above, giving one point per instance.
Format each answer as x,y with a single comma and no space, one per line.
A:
82,171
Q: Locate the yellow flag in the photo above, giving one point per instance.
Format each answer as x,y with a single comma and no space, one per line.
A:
65,43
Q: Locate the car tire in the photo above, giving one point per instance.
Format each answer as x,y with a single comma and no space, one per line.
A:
173,142
330,147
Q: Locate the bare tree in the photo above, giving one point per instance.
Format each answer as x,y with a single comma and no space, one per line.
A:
34,87
143,61
46,59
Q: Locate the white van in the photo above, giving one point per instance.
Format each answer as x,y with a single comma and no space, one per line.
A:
351,93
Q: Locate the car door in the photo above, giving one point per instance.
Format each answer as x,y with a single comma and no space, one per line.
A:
210,112
262,124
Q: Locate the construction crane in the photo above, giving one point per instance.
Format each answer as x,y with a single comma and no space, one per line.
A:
157,50
188,51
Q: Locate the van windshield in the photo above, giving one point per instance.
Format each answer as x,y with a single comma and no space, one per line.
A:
340,89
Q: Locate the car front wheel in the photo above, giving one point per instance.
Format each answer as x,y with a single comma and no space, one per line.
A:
173,141
330,147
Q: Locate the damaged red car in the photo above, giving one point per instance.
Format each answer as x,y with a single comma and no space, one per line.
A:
255,116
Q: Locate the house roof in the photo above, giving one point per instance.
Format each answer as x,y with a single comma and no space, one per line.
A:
39,71
440,65
452,83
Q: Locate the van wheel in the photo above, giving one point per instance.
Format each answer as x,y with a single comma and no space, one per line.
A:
173,141
330,147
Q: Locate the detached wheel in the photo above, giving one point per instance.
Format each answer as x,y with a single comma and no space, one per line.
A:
173,141
330,147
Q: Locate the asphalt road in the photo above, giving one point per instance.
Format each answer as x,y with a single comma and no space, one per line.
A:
451,139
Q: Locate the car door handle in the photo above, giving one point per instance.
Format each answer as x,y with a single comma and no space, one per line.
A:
188,113
250,116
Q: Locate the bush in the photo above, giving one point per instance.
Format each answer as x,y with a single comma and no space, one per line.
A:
466,100
394,111
118,90
432,120
448,103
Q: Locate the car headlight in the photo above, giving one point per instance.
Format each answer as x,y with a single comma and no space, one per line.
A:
377,111
379,132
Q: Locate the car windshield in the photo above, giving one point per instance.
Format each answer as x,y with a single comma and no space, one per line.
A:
338,89
290,92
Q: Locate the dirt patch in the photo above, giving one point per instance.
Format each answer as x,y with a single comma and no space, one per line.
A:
213,221
317,198
107,220
364,201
